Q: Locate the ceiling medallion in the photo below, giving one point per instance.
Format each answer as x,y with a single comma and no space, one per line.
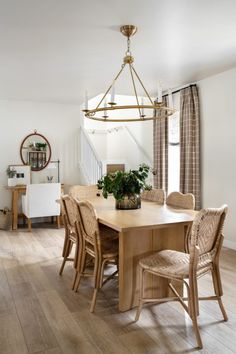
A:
103,109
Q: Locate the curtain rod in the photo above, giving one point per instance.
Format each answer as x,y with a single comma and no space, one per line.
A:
178,90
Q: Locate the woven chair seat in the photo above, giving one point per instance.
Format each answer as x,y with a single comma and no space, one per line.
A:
173,264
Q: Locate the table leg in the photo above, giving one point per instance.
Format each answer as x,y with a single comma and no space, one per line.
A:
133,245
15,197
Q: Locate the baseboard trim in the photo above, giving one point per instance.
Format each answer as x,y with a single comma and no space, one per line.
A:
230,244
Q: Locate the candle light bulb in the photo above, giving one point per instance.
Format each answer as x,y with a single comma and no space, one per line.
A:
142,109
105,106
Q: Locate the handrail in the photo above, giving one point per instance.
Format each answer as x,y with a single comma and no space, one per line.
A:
84,132
89,160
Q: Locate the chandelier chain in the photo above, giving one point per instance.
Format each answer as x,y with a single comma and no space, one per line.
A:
128,52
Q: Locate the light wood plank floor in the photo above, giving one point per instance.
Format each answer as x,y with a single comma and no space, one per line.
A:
40,314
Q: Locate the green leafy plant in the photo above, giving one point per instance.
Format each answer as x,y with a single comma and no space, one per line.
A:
11,172
122,184
41,146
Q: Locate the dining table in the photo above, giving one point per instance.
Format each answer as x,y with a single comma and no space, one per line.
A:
151,228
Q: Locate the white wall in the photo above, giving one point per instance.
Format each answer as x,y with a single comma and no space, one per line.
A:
60,125
218,130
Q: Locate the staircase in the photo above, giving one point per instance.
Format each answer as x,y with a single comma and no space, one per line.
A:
124,148
90,164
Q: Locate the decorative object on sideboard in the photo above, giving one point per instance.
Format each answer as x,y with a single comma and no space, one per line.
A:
18,175
52,166
49,179
11,173
35,150
126,186
145,111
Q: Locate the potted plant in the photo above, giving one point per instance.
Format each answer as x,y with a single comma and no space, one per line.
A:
11,173
125,186
41,146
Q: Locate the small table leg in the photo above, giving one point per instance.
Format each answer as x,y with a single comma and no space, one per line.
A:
15,197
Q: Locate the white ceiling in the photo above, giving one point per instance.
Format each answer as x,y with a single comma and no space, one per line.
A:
52,50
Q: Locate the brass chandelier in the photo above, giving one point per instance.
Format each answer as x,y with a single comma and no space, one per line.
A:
102,110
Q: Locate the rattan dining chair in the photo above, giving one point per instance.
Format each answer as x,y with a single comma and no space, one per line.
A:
84,192
205,246
154,195
71,216
95,246
80,192
180,200
184,201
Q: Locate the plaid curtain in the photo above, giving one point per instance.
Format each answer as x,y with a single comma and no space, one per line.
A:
190,143
160,152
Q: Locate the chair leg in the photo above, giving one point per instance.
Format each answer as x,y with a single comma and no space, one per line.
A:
66,240
58,222
81,271
77,264
65,256
140,301
75,279
102,273
62,266
218,289
97,277
196,296
193,299
29,224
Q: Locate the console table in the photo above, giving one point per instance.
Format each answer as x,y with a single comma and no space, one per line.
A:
16,193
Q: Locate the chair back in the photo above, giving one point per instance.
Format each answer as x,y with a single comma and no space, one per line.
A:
90,227
83,192
41,199
180,200
207,230
71,211
154,195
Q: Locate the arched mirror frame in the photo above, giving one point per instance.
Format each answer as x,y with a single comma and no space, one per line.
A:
49,151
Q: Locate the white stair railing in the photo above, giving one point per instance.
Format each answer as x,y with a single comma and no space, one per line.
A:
89,160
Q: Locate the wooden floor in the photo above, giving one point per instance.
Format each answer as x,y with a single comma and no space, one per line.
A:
40,314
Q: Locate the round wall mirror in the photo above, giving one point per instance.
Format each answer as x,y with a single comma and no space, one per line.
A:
35,151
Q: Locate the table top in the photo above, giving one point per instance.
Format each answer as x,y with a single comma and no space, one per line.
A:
151,215
22,187
17,187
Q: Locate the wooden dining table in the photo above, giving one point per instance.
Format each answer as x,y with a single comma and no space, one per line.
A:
151,228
